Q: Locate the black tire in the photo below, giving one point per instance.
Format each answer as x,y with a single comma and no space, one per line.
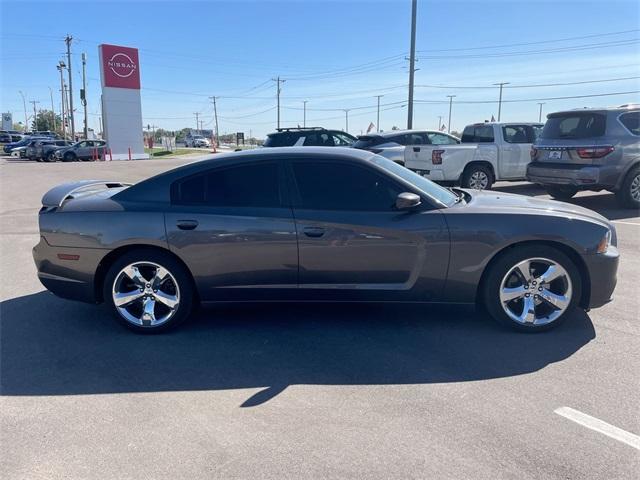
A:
629,187
51,157
561,192
185,288
475,175
69,157
501,267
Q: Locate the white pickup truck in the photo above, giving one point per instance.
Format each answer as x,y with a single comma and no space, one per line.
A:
488,152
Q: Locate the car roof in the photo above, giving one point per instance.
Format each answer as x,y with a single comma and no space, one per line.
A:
622,108
393,133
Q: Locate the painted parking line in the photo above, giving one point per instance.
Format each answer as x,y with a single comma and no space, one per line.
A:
626,223
599,426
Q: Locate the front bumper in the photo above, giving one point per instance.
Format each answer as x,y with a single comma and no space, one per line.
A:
603,271
581,176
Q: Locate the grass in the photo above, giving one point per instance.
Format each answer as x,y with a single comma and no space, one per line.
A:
159,152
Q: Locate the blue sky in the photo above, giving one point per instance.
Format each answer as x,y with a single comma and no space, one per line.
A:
334,54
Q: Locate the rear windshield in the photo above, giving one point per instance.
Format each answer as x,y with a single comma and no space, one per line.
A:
367,141
279,140
574,125
477,134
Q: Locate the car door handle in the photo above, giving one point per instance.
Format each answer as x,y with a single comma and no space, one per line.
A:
416,149
187,224
314,232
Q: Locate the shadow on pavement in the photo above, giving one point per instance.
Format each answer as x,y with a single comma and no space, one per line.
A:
604,203
51,346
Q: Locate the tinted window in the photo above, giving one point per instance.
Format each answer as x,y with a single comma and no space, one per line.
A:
318,139
515,134
280,140
415,139
632,122
441,139
478,134
254,185
574,125
342,140
368,141
343,186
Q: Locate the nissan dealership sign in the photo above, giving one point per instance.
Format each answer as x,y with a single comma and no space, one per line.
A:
121,105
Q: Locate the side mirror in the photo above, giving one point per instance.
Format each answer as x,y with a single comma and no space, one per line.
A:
406,201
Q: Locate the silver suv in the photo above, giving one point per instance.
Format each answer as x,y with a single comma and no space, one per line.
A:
589,149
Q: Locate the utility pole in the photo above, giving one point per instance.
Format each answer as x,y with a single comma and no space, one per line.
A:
53,112
24,104
197,122
67,40
412,62
540,113
35,115
378,115
83,95
278,90
60,68
502,84
450,105
215,115
304,115
346,114
439,122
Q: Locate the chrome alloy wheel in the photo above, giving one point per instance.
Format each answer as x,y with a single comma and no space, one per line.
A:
635,188
536,291
146,294
479,180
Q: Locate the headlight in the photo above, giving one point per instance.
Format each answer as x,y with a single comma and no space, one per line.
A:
604,244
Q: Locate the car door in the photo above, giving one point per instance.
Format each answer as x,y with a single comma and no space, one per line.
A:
354,244
232,227
83,149
516,151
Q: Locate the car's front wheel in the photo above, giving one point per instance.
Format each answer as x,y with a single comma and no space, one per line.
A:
149,291
50,157
477,176
629,194
69,157
532,288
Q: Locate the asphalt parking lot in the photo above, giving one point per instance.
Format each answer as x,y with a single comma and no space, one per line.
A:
299,391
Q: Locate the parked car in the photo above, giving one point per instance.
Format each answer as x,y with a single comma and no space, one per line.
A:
22,143
19,152
196,141
9,136
489,152
308,137
392,144
45,149
590,149
84,150
314,224
45,133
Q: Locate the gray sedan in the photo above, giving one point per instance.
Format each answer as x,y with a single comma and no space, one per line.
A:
318,224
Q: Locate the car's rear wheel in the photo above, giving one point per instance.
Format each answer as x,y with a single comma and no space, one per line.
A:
561,192
532,288
477,176
51,157
629,194
149,291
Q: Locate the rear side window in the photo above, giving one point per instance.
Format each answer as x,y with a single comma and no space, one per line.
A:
574,125
516,134
318,139
253,185
631,121
279,140
441,139
343,186
478,134
368,141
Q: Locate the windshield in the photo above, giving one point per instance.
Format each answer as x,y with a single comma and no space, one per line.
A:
576,125
440,194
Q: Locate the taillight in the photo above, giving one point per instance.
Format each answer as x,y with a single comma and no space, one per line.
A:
594,152
533,152
436,157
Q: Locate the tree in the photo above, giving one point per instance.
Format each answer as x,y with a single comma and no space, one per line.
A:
45,121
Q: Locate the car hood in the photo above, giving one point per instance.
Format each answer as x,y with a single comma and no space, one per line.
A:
509,202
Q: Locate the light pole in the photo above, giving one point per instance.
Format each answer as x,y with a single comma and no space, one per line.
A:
24,105
53,112
450,105
540,112
60,68
412,62
83,96
67,40
439,122
346,116
501,84
35,115
278,90
304,114
378,115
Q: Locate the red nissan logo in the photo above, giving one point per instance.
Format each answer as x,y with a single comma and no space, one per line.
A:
122,65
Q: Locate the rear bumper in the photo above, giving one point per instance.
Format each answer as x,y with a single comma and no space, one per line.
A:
603,271
72,279
581,176
431,174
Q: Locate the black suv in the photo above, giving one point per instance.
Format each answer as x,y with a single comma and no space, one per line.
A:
309,137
